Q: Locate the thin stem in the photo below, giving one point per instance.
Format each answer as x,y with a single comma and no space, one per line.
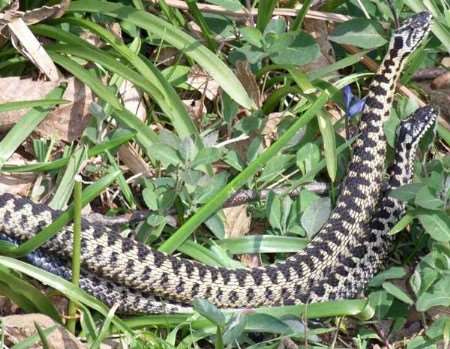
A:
77,206
200,20
298,21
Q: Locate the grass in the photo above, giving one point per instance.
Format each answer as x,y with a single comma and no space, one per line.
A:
406,306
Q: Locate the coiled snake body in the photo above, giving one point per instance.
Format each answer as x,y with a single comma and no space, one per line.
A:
336,264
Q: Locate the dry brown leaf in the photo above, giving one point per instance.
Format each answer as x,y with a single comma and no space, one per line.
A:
237,221
269,131
132,100
19,327
203,82
319,31
131,159
195,107
17,183
441,81
65,123
26,43
248,80
128,155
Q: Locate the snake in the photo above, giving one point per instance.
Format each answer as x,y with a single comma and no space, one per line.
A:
409,133
333,265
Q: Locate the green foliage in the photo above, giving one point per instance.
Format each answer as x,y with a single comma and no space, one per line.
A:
228,142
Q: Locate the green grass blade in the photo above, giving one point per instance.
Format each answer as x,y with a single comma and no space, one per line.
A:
355,307
114,142
88,78
32,294
329,143
30,341
147,76
265,10
77,206
23,128
4,107
63,286
200,253
180,40
145,136
217,200
65,185
263,244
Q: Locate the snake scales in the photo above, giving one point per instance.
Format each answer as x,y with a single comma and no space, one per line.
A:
409,133
336,264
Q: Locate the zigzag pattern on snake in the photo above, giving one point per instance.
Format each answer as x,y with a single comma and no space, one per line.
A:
329,268
409,133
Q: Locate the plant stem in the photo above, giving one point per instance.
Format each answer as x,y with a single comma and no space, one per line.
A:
298,21
77,205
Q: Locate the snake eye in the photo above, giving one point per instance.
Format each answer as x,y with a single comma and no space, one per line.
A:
413,30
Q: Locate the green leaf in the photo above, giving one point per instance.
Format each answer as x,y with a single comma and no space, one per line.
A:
292,48
265,11
165,154
21,289
253,36
381,301
234,327
437,295
426,199
406,192
242,178
150,198
209,311
231,5
397,293
359,32
273,208
266,323
401,224
316,215
206,156
307,157
42,336
437,225
391,273
174,36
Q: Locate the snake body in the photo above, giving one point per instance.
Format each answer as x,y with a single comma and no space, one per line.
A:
332,266
409,133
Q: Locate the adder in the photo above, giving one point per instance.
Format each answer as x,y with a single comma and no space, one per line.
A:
336,264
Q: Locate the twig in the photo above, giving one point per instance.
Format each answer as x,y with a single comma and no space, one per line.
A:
241,197
243,14
428,74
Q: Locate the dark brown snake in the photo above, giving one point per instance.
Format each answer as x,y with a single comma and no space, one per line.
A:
336,264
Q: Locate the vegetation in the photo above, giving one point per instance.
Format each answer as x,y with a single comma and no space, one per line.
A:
231,95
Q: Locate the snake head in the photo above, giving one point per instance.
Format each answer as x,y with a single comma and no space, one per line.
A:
411,32
412,129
